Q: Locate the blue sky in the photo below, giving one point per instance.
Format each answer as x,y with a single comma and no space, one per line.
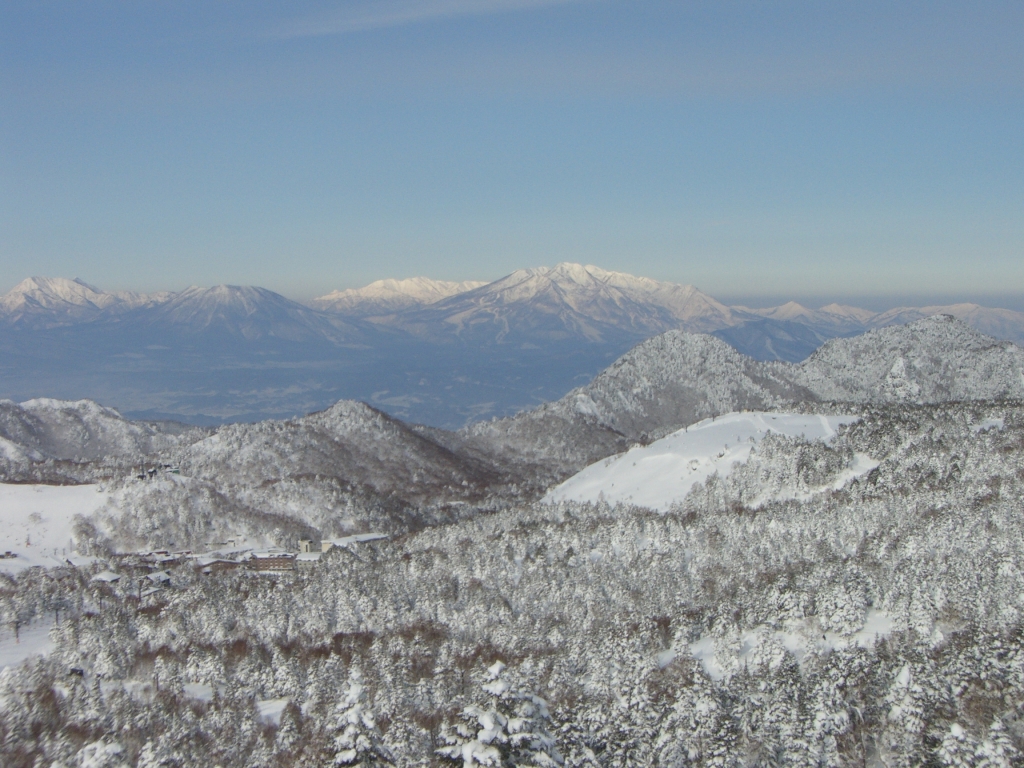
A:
847,150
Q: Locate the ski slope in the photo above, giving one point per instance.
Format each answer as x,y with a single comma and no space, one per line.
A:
662,473
37,522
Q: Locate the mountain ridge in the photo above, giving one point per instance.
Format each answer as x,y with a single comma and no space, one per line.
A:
384,297
243,353
352,452
678,378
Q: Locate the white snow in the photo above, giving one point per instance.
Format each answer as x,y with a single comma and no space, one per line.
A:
762,644
992,423
36,521
199,691
32,640
662,473
270,710
382,296
100,754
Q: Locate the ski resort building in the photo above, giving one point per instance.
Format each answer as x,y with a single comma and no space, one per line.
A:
272,562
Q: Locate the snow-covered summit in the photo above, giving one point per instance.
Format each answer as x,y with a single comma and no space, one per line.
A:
571,302
51,301
937,359
80,430
383,297
350,443
246,313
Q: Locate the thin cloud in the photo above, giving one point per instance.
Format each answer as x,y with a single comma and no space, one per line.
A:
364,16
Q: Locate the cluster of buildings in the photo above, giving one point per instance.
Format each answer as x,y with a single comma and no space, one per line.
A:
222,558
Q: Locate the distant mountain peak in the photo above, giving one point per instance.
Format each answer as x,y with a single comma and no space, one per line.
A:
573,301
54,301
382,297
248,313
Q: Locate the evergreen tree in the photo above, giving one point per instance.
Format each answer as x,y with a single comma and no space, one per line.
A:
357,741
513,731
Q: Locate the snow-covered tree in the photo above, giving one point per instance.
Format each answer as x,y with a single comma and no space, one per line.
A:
357,740
513,729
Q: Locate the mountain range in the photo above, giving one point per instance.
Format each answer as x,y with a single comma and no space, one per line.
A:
439,353
352,462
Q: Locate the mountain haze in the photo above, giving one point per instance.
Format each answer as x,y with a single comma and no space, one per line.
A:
439,353
246,314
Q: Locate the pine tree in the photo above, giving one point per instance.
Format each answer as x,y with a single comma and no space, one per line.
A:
957,748
512,731
357,740
996,751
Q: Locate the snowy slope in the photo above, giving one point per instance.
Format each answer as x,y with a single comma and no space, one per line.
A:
78,430
662,473
936,359
37,521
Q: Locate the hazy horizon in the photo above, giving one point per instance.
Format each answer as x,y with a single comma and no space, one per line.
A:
873,302
791,149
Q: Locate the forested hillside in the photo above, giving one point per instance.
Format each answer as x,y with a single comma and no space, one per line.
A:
875,624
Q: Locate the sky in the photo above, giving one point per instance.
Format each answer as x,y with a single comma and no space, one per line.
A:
862,150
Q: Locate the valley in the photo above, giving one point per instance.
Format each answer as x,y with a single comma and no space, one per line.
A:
445,354
694,558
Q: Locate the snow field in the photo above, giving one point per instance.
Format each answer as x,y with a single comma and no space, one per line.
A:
33,640
37,521
663,473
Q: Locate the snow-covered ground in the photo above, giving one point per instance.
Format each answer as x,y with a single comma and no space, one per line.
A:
662,473
37,521
763,645
33,640
271,710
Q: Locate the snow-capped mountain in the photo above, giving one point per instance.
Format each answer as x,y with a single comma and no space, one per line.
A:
574,303
1001,323
246,314
245,353
385,297
45,302
836,318
350,442
661,385
679,378
81,431
566,303
936,359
